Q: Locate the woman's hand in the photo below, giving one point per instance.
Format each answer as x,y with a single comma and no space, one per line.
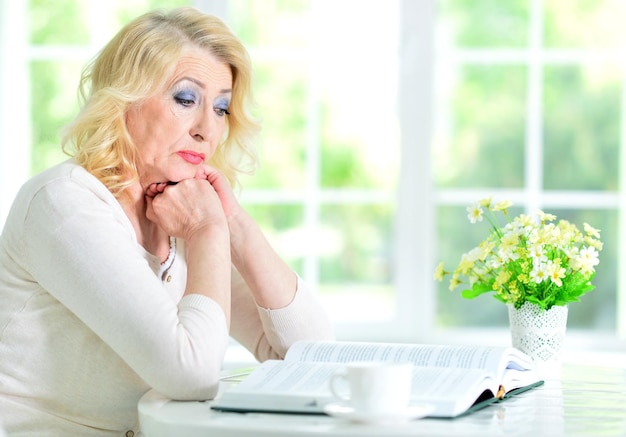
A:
184,208
220,184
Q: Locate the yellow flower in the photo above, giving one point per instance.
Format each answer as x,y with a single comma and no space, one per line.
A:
569,232
502,205
524,221
454,282
466,264
485,249
486,202
523,278
549,234
591,231
439,272
508,247
545,217
597,244
501,279
541,236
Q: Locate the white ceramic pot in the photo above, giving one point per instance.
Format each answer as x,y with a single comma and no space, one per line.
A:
539,333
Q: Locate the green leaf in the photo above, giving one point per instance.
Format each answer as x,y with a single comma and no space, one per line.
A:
476,290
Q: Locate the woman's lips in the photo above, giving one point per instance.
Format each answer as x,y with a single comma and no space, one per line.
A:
191,157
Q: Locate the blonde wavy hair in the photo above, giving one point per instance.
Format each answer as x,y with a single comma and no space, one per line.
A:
135,65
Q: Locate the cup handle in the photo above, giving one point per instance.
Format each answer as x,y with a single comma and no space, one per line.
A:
333,386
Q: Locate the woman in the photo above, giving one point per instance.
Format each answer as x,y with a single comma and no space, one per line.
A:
129,266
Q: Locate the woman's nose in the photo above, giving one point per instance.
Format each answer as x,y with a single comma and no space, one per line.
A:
203,126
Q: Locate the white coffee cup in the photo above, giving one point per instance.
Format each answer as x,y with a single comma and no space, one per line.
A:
373,387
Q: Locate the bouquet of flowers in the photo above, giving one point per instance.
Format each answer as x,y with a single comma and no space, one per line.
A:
529,259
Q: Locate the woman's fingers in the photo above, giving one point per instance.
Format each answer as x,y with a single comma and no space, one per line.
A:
156,188
181,208
221,186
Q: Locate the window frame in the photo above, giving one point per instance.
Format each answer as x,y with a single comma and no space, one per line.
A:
415,245
532,196
15,138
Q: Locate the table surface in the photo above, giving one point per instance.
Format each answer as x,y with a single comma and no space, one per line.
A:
583,400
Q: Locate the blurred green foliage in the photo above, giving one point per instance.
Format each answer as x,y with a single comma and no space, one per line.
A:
58,22
351,244
54,104
282,88
584,24
482,144
486,143
486,23
582,127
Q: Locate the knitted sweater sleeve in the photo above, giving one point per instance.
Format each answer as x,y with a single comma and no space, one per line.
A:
268,333
78,245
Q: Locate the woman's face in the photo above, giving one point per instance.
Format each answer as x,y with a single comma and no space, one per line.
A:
178,130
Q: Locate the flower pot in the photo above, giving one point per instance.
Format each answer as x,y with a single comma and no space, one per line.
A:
539,333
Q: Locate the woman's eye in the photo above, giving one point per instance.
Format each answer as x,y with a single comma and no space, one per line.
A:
222,111
185,99
184,102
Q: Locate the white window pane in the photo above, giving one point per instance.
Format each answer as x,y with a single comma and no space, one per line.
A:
530,113
326,91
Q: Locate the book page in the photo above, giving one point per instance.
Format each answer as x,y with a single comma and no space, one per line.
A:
422,355
280,376
303,386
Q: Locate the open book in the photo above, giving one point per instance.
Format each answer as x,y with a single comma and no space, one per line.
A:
454,379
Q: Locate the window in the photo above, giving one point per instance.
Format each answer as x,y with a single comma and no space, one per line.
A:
14,107
529,108
382,121
330,146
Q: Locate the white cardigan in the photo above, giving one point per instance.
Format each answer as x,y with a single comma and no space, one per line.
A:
89,321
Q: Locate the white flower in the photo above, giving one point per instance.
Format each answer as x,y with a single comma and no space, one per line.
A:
508,253
476,254
524,221
591,231
587,259
537,253
555,272
545,217
494,263
475,213
539,273
572,253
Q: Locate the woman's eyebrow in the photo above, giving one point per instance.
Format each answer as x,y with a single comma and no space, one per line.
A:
203,85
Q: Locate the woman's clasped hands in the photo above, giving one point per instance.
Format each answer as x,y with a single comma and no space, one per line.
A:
185,207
